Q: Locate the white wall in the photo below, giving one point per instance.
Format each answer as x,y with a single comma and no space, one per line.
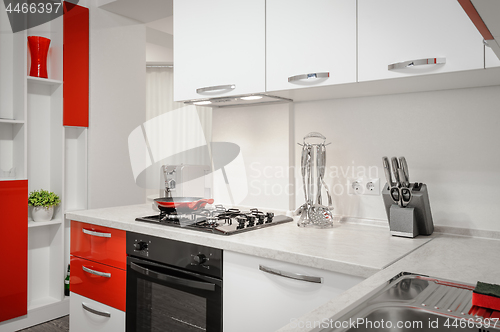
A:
117,106
449,138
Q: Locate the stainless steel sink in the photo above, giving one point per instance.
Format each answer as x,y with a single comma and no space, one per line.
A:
411,302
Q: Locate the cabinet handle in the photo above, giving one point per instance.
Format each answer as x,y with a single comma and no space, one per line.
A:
97,273
216,88
97,312
93,233
291,275
308,76
419,62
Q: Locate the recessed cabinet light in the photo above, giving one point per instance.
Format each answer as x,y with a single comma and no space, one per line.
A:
251,98
204,102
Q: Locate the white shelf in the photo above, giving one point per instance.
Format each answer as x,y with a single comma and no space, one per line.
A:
42,302
45,81
11,121
12,179
32,223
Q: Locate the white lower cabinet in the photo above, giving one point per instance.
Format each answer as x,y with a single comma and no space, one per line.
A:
255,300
88,315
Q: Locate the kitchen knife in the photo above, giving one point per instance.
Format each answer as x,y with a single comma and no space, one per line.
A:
406,173
387,170
395,168
394,190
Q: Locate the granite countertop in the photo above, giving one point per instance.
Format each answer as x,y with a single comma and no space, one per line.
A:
457,258
355,249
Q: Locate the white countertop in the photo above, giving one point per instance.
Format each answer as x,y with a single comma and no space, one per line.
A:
456,258
355,249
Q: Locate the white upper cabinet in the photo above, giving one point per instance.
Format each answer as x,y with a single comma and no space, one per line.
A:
304,38
219,48
394,31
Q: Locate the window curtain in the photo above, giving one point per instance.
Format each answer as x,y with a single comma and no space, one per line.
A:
177,127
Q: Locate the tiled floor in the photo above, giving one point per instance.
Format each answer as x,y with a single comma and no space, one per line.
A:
56,325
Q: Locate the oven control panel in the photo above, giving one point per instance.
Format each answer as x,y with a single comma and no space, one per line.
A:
190,256
141,247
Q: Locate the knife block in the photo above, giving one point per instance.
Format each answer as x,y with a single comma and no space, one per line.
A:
413,220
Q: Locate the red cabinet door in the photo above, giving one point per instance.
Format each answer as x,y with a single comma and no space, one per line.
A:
14,227
76,65
99,282
99,244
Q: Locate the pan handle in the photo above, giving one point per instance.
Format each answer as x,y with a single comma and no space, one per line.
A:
197,204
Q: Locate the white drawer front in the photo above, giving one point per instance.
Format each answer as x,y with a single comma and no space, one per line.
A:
88,315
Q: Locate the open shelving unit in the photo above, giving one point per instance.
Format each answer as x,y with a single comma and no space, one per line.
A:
52,157
12,102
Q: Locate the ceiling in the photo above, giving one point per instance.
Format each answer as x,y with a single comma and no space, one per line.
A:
489,10
165,25
158,13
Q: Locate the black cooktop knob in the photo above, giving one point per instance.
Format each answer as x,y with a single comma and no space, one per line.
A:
251,221
261,218
270,217
241,222
140,245
199,259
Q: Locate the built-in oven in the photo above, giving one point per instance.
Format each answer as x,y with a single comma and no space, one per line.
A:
172,285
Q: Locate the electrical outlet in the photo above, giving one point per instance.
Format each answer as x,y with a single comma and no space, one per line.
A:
362,186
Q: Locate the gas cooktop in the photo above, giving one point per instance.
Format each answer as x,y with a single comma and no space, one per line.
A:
218,221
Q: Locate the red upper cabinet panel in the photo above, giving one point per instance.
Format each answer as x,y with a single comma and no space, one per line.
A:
76,65
14,227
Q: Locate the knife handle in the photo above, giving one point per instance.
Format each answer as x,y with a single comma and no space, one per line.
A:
387,170
404,166
395,170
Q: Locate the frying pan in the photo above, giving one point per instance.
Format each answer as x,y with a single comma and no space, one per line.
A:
169,204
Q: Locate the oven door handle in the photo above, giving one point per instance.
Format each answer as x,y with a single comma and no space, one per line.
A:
174,280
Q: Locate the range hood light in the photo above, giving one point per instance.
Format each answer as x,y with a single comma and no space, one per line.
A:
251,98
203,102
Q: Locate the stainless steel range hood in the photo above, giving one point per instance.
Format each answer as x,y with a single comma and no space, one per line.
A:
238,101
485,15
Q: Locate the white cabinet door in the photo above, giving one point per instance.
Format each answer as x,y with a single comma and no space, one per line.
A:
218,43
88,315
393,31
306,37
254,300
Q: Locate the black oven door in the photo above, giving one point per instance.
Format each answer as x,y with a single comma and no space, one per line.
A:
167,299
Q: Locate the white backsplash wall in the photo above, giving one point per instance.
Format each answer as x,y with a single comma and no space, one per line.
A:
449,138
262,133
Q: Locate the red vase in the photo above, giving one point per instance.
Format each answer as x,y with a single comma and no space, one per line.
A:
39,48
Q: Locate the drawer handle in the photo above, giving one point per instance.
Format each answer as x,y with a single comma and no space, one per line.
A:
97,312
93,233
419,62
291,275
97,273
216,88
308,76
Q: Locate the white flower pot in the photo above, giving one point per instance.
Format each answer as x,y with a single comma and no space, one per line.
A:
41,213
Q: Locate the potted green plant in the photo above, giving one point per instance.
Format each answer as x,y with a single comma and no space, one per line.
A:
43,203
